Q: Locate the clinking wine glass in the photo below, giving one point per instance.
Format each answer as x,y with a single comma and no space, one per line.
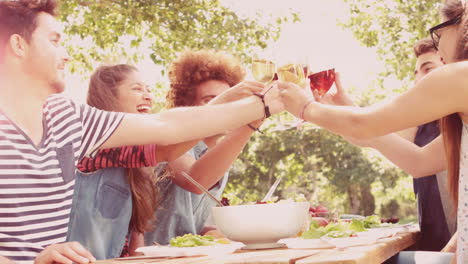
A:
322,81
292,72
263,70
295,73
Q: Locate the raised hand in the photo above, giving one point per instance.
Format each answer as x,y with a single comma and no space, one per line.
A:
340,97
66,253
273,98
239,91
294,98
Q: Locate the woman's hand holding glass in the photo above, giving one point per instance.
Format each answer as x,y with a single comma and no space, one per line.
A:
294,98
237,92
339,97
273,99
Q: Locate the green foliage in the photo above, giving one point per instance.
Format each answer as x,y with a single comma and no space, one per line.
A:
110,29
397,200
392,27
324,167
311,161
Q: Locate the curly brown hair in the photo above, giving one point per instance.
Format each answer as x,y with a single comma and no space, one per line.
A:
195,67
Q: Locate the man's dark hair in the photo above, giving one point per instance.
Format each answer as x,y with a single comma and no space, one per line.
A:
20,17
423,46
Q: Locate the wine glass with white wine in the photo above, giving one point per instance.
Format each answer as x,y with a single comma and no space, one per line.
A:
294,71
263,70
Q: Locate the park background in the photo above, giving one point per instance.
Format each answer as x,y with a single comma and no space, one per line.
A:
368,41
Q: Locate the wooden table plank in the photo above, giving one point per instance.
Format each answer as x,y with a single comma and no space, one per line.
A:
375,253
269,256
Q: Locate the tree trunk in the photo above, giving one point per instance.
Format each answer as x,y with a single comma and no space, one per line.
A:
367,201
354,199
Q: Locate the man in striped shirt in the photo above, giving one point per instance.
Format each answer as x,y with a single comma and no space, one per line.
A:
43,135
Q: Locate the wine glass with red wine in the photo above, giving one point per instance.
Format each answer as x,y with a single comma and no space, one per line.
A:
322,81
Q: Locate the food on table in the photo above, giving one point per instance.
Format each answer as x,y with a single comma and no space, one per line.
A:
338,234
371,221
338,229
319,221
351,216
342,228
191,240
215,233
357,225
297,198
225,201
392,220
318,211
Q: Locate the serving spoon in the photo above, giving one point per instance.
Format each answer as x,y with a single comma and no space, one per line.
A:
218,202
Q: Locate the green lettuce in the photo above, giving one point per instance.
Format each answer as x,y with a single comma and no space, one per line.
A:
313,233
372,221
190,240
337,234
357,225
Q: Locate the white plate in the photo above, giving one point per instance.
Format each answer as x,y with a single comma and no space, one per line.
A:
306,243
392,230
168,251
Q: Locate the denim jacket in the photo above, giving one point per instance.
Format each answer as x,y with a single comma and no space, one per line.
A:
182,212
101,212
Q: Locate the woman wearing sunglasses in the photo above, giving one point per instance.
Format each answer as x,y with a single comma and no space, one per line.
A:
443,93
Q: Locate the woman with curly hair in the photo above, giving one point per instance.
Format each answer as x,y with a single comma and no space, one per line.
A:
196,78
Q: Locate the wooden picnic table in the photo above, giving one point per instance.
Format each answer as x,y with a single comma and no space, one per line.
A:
375,253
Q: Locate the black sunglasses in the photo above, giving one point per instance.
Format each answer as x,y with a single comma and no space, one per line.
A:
435,31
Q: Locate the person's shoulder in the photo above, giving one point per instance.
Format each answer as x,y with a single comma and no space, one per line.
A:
460,69
462,64
58,101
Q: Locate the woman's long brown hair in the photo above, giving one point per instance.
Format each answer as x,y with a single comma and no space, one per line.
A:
103,94
451,126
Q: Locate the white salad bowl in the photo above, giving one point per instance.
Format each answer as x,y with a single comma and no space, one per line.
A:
261,225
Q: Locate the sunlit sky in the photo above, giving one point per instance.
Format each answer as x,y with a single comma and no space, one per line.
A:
317,38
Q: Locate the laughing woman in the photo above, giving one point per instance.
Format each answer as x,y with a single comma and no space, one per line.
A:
113,204
443,93
117,200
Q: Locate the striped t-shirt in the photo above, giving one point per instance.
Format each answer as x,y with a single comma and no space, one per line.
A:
36,181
